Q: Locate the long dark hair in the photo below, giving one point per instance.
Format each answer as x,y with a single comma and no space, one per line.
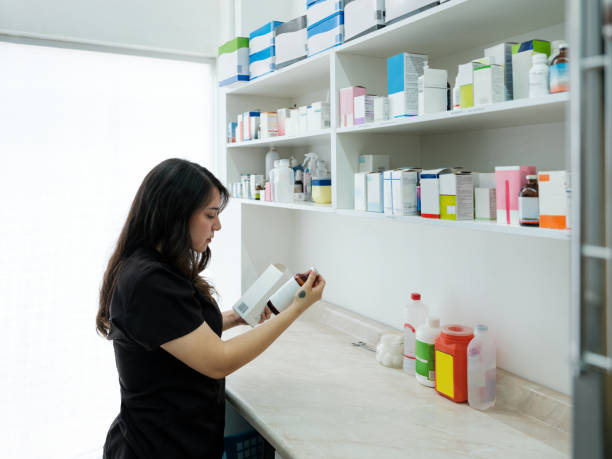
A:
159,219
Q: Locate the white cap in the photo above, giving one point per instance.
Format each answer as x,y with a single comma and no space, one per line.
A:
539,58
283,162
433,322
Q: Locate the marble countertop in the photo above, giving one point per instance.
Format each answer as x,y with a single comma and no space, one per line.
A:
313,394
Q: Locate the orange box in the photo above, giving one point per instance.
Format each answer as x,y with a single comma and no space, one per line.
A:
554,199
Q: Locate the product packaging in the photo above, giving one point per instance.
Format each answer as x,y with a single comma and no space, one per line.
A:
364,109
362,17
554,189
403,71
488,82
400,192
375,193
290,41
361,191
522,60
347,104
319,116
508,183
456,195
451,362
326,34
430,192
502,53
433,94
373,163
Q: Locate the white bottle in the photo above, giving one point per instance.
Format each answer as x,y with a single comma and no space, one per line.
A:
415,313
271,156
481,369
426,336
538,76
283,182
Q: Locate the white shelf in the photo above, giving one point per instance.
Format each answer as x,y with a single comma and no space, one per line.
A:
296,205
470,23
469,225
305,76
293,141
522,112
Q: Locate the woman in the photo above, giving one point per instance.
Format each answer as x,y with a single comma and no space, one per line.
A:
165,324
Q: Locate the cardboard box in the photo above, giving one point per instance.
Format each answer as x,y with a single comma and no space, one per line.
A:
262,37
554,192
318,11
326,34
361,191
292,122
231,132
456,195
362,17
488,82
375,192
269,124
240,128
290,40
465,80
433,92
233,62
347,104
403,71
381,108
400,9
522,59
319,116
400,192
364,109
430,192
261,63
283,114
251,304
484,204
250,125
373,163
502,53
508,183
303,119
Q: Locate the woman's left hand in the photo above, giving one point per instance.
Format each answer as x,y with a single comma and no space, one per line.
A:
232,319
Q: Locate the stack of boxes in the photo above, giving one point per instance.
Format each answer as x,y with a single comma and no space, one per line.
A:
261,50
233,62
325,24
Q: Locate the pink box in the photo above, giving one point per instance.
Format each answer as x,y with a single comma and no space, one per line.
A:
347,104
508,183
283,114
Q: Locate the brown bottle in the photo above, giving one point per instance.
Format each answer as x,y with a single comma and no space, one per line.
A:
529,203
559,71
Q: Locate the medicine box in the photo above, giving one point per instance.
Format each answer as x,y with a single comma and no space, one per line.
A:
319,10
261,63
488,82
233,62
240,128
282,115
399,9
347,104
292,122
375,192
364,109
268,124
263,37
508,183
290,42
326,34
231,131
403,71
250,125
554,194
303,119
433,93
373,163
522,59
362,17
465,81
381,108
456,195
252,303
319,116
430,192
400,192
484,196
361,191
502,53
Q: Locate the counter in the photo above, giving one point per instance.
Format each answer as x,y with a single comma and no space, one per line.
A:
313,394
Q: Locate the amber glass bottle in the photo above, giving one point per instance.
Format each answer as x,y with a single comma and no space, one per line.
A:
529,203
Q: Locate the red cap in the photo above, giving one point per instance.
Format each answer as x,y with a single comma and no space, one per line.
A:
415,296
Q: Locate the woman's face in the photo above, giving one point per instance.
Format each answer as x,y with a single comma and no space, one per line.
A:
204,222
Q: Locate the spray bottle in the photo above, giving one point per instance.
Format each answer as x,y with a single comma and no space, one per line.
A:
309,164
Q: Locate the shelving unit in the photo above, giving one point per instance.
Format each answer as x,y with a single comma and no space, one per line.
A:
284,141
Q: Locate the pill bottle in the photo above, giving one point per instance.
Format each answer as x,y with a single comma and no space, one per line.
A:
529,203
451,362
426,336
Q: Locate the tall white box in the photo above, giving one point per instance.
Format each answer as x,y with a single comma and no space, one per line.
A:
430,192
456,196
361,191
554,189
433,92
502,53
403,71
488,82
268,124
364,109
319,116
375,192
381,108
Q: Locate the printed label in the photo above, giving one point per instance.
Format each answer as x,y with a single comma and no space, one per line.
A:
425,360
559,78
242,308
445,378
529,210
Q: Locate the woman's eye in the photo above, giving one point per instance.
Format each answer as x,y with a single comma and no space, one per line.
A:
211,216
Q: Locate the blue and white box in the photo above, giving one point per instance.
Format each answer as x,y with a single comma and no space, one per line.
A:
261,50
290,41
375,192
400,9
233,62
403,72
326,34
362,17
320,10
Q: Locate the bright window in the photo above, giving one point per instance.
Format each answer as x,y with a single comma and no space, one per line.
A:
79,130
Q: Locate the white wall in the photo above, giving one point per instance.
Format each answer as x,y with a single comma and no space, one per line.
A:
190,26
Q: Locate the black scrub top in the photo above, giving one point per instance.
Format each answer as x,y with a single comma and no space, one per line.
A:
168,410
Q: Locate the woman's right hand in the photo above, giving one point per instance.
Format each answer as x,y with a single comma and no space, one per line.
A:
310,292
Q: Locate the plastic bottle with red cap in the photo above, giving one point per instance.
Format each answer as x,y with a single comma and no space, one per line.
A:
415,314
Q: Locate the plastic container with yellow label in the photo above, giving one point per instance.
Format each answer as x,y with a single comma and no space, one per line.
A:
451,362
321,190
